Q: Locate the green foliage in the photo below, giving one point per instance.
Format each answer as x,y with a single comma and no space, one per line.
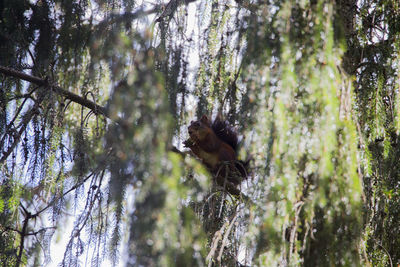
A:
8,195
312,86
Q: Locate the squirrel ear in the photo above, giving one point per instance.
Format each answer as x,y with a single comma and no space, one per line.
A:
218,117
204,119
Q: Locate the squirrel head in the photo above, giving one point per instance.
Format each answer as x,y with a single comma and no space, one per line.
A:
198,130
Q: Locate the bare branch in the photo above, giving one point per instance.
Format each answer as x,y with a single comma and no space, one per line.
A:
23,233
217,237
167,9
26,119
97,109
226,235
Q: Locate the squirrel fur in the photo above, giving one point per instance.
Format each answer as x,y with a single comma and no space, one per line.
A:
215,144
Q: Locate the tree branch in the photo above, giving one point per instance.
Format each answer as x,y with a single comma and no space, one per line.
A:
26,119
23,233
97,109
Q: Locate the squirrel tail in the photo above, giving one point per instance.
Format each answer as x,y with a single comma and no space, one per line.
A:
225,132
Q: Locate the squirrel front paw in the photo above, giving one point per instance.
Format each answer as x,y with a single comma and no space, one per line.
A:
188,143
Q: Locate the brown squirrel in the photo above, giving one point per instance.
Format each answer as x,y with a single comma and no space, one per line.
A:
215,144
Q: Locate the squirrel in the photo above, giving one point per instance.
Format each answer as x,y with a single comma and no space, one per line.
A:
215,144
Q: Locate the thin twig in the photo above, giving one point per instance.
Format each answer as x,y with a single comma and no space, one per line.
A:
26,119
384,249
214,246
227,232
22,234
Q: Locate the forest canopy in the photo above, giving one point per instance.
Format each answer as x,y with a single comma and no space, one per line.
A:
99,99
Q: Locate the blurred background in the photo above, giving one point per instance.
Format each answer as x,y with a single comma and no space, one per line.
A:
96,97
